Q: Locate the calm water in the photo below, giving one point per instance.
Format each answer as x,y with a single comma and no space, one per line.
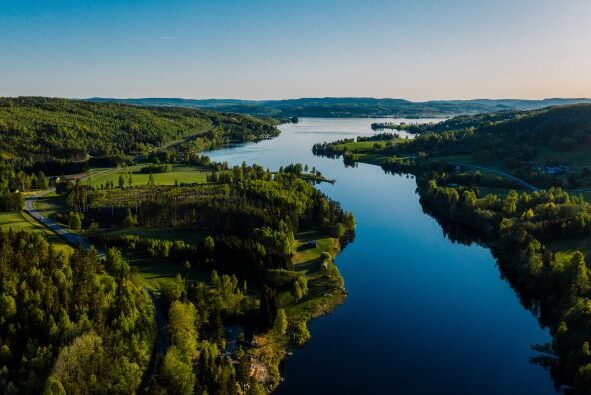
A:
424,315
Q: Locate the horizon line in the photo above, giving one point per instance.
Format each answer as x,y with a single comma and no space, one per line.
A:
301,98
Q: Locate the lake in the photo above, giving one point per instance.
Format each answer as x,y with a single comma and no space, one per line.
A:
424,315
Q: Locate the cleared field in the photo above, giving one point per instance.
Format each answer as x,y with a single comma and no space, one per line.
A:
18,221
312,254
181,173
358,146
154,271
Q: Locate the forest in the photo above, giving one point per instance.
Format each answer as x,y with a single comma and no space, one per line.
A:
522,229
64,319
254,217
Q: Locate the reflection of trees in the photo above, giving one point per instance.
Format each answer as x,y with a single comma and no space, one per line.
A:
459,233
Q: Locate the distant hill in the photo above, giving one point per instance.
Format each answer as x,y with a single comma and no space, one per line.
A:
557,128
343,107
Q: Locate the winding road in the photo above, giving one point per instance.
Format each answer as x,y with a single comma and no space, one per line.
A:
511,177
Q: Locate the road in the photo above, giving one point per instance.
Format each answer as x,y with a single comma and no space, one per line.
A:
511,177
162,340
72,238
160,347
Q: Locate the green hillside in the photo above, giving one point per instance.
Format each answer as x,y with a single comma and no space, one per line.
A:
35,129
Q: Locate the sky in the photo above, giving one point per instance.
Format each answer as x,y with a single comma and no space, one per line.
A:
273,49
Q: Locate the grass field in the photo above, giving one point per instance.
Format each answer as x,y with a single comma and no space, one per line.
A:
18,220
358,146
182,173
307,260
153,271
307,255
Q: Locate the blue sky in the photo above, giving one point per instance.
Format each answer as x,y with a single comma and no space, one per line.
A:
414,49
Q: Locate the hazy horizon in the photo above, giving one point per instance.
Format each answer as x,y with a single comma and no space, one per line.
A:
328,97
262,50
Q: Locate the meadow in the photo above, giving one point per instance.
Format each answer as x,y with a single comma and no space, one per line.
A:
180,173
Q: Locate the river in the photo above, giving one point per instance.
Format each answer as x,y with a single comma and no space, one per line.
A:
424,315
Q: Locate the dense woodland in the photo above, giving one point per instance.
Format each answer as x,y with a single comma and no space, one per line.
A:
253,216
65,319
245,222
560,129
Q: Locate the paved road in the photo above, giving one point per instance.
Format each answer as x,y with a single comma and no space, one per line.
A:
72,238
521,182
162,339
162,344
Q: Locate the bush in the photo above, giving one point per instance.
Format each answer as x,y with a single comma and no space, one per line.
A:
11,201
301,334
152,169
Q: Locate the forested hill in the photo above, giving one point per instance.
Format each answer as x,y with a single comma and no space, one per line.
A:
550,147
351,106
37,129
561,129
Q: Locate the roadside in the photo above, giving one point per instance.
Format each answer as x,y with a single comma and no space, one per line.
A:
72,238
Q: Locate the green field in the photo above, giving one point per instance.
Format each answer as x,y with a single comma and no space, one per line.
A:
180,173
17,221
153,271
357,146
